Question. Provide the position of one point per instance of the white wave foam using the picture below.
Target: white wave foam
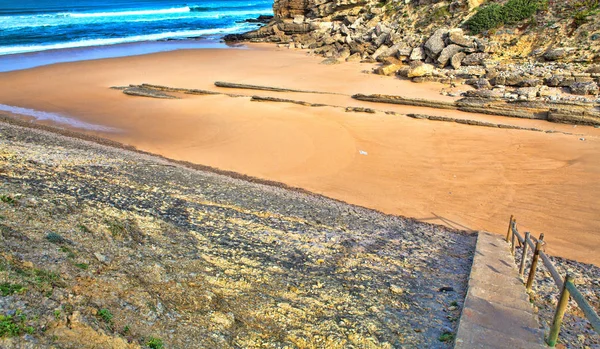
(128, 13)
(37, 21)
(7, 50)
(42, 115)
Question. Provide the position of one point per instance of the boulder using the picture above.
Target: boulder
(418, 69)
(584, 88)
(556, 54)
(435, 44)
(343, 54)
(554, 80)
(356, 57)
(482, 83)
(388, 69)
(456, 36)
(447, 53)
(475, 59)
(381, 50)
(397, 50)
(528, 92)
(417, 54)
(515, 79)
(456, 60)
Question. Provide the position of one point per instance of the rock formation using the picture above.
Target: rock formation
(428, 40)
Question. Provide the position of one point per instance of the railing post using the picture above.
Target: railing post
(561, 308)
(524, 256)
(510, 225)
(512, 243)
(534, 261)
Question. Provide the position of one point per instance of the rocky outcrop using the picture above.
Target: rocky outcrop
(290, 8)
(420, 41)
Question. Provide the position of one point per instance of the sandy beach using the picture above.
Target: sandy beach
(466, 177)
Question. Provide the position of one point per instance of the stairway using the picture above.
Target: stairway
(497, 312)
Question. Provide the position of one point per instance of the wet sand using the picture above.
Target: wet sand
(466, 177)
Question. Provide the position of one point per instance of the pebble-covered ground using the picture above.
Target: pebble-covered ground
(103, 247)
(576, 331)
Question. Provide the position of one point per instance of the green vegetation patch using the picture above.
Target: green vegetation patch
(105, 315)
(495, 15)
(83, 266)
(12, 326)
(55, 238)
(446, 337)
(6, 289)
(7, 199)
(585, 10)
(155, 343)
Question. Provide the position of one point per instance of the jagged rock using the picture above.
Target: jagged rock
(379, 51)
(397, 50)
(514, 79)
(417, 54)
(584, 88)
(380, 39)
(567, 81)
(456, 60)
(554, 80)
(418, 69)
(298, 19)
(528, 92)
(475, 59)
(482, 83)
(381, 28)
(456, 36)
(447, 53)
(348, 20)
(484, 46)
(556, 54)
(435, 44)
(356, 57)
(343, 54)
(345, 30)
(357, 24)
(387, 69)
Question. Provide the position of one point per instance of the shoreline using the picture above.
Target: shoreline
(29, 60)
(410, 163)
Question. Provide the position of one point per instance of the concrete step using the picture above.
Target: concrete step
(497, 312)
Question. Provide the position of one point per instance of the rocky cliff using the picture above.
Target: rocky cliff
(541, 42)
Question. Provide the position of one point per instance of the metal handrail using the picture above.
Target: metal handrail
(567, 287)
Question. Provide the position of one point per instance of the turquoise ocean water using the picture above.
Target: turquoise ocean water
(40, 25)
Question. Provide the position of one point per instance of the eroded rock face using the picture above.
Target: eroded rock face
(289, 8)
(284, 9)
